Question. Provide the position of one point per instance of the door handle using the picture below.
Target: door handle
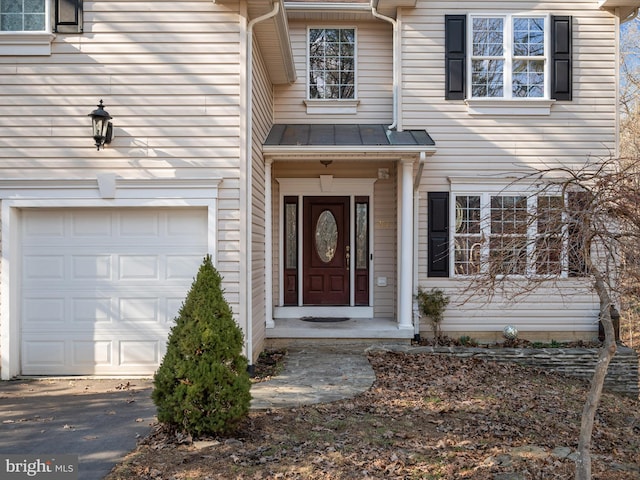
(348, 257)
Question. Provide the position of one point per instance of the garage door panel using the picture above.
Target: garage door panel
(139, 224)
(91, 310)
(184, 226)
(139, 267)
(89, 354)
(182, 267)
(139, 353)
(44, 312)
(43, 267)
(139, 310)
(85, 224)
(43, 355)
(40, 224)
(94, 267)
(101, 287)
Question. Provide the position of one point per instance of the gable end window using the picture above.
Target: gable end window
(508, 57)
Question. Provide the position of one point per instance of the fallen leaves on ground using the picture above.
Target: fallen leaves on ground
(425, 417)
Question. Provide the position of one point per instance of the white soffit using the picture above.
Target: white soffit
(273, 40)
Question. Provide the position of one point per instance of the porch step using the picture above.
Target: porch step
(352, 328)
(336, 345)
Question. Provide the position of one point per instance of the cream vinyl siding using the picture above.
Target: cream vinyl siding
(572, 310)
(471, 145)
(262, 116)
(169, 74)
(475, 146)
(373, 76)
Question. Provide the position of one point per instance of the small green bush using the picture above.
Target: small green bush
(202, 385)
(432, 305)
(467, 341)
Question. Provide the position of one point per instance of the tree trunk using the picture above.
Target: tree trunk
(607, 351)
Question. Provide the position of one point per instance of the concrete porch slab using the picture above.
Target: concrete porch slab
(353, 328)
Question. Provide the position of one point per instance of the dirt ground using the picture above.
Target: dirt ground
(425, 417)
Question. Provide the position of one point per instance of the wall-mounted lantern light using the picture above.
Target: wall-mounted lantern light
(102, 126)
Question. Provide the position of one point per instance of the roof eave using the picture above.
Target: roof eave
(273, 39)
(622, 8)
(390, 7)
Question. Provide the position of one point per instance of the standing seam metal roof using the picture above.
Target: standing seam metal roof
(345, 135)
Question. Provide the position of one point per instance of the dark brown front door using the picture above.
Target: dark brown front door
(326, 251)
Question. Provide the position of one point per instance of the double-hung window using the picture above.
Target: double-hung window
(332, 65)
(331, 71)
(508, 64)
(509, 56)
(509, 234)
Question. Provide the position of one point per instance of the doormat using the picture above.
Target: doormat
(324, 319)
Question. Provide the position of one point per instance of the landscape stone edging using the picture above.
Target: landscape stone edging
(622, 376)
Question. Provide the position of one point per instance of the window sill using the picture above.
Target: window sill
(331, 107)
(25, 43)
(481, 106)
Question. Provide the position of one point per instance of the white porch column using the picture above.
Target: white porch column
(268, 246)
(405, 284)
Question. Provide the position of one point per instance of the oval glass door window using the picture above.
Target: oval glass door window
(326, 236)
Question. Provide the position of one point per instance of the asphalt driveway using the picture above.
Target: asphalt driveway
(98, 420)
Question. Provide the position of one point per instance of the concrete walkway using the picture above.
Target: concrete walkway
(101, 420)
(314, 376)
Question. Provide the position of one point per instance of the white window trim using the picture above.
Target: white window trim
(26, 43)
(494, 106)
(317, 106)
(508, 105)
(463, 188)
(320, 106)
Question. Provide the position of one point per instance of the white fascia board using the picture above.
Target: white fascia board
(618, 3)
(325, 6)
(361, 150)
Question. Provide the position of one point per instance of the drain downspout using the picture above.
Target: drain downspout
(395, 66)
(249, 178)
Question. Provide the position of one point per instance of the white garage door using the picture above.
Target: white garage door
(101, 287)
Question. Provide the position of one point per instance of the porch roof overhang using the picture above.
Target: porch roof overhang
(352, 141)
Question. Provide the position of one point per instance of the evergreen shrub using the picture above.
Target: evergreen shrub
(202, 385)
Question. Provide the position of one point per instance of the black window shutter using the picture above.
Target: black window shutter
(455, 56)
(561, 39)
(67, 16)
(438, 234)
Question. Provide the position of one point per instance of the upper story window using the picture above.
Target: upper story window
(508, 64)
(509, 56)
(23, 15)
(332, 63)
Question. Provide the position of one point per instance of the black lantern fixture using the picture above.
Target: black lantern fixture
(102, 126)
